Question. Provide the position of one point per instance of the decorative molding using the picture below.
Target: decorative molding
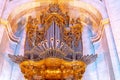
(100, 32)
(105, 21)
(9, 31)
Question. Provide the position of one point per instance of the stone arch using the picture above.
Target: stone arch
(18, 12)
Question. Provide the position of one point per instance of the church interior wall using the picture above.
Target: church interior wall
(107, 64)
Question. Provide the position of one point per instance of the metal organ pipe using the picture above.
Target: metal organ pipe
(46, 43)
(52, 43)
(57, 43)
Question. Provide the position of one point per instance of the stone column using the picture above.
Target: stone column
(88, 48)
(5, 63)
(2, 48)
(19, 50)
(2, 6)
(105, 70)
(114, 66)
(113, 9)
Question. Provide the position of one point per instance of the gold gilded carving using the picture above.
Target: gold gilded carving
(53, 63)
(74, 34)
(104, 21)
(42, 16)
(39, 37)
(59, 70)
(31, 31)
(68, 37)
(34, 35)
(76, 30)
(54, 14)
(67, 19)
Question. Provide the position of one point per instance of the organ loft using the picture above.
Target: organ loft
(53, 47)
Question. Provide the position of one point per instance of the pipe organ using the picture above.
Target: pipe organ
(54, 48)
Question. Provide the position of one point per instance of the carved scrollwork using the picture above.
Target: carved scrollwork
(39, 36)
(76, 30)
(68, 37)
(74, 34)
(55, 8)
(31, 31)
(34, 35)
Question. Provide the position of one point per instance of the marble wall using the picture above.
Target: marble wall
(8, 69)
